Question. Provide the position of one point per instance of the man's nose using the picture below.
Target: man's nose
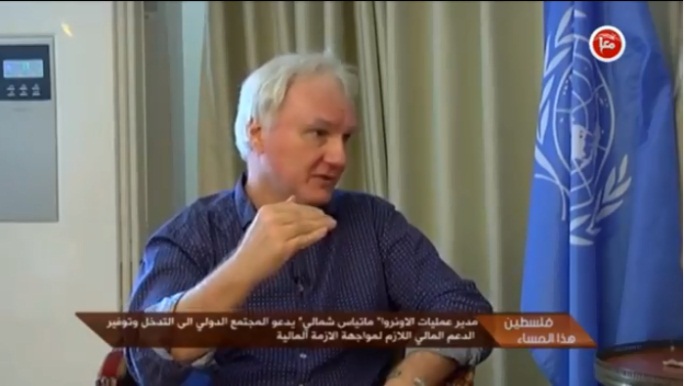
(336, 152)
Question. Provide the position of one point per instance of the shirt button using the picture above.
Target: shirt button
(303, 356)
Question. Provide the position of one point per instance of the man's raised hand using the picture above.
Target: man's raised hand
(279, 231)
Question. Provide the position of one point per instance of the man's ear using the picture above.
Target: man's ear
(254, 133)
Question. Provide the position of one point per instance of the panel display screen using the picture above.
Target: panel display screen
(22, 69)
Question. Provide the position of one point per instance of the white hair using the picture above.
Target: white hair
(262, 93)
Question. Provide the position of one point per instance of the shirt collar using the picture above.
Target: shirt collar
(245, 208)
(247, 212)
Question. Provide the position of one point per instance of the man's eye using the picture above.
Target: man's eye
(320, 132)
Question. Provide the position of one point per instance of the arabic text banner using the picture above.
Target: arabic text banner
(249, 329)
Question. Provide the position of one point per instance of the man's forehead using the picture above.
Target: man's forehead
(321, 88)
(323, 102)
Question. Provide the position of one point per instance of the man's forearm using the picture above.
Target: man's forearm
(223, 290)
(432, 368)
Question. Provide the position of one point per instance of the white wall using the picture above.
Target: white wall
(50, 271)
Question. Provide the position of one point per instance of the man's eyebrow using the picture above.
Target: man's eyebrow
(321, 123)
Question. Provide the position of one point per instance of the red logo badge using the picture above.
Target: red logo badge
(607, 44)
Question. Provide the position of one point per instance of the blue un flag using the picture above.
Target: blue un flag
(604, 233)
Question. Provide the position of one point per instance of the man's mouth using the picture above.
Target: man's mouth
(326, 178)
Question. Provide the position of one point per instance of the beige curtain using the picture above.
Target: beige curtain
(448, 106)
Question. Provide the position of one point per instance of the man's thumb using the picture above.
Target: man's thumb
(291, 199)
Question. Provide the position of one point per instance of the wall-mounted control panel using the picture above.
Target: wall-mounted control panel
(28, 130)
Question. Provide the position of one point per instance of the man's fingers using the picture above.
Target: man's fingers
(303, 227)
(302, 213)
(307, 239)
(294, 213)
(305, 212)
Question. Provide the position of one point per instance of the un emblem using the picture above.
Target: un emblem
(576, 135)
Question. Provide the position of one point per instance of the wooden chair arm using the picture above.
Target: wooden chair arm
(113, 371)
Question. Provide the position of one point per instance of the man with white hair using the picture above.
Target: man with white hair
(285, 239)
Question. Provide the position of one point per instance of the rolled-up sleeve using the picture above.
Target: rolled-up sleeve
(419, 280)
(168, 269)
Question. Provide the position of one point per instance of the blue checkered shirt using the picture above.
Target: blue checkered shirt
(373, 261)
